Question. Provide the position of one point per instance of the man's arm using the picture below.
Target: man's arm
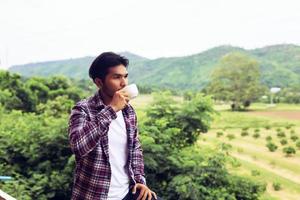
(84, 135)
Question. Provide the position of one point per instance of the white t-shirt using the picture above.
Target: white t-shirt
(118, 152)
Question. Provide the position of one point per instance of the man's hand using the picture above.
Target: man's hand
(119, 100)
(145, 192)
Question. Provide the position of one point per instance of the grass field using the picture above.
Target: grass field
(254, 157)
(252, 152)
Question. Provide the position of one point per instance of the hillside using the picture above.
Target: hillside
(280, 66)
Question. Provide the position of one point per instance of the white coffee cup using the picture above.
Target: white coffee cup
(131, 90)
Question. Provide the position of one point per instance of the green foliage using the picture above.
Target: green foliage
(256, 135)
(276, 186)
(237, 79)
(247, 189)
(292, 131)
(244, 133)
(289, 151)
(294, 137)
(230, 136)
(34, 147)
(35, 151)
(278, 129)
(281, 134)
(225, 147)
(269, 138)
(255, 172)
(245, 128)
(289, 95)
(56, 107)
(298, 144)
(27, 94)
(271, 146)
(288, 126)
(283, 141)
(268, 127)
(219, 134)
(175, 167)
(14, 94)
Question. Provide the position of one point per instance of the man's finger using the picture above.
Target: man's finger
(142, 193)
(146, 193)
(154, 194)
(149, 195)
(123, 92)
(134, 189)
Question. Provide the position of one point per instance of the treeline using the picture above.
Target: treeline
(237, 80)
(34, 147)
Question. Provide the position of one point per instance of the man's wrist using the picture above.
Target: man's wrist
(114, 108)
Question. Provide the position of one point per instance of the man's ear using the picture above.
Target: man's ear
(98, 82)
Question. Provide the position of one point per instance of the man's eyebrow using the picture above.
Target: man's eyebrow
(120, 74)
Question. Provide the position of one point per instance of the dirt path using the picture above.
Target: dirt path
(278, 171)
(282, 194)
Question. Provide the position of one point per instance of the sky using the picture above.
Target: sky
(44, 30)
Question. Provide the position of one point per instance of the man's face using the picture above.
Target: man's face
(116, 79)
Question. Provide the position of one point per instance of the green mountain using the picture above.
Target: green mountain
(75, 68)
(280, 66)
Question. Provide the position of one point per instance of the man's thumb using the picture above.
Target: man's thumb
(134, 189)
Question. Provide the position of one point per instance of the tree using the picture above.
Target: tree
(236, 79)
(176, 168)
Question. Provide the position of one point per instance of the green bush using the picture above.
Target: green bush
(219, 134)
(271, 146)
(281, 134)
(269, 138)
(298, 144)
(256, 135)
(276, 186)
(288, 126)
(178, 170)
(289, 151)
(278, 129)
(244, 133)
(230, 136)
(283, 141)
(268, 127)
(225, 147)
(294, 138)
(292, 131)
(39, 157)
(245, 128)
(255, 172)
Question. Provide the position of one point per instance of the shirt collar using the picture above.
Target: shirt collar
(98, 99)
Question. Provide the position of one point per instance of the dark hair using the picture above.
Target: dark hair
(100, 65)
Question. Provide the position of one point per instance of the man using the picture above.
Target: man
(104, 138)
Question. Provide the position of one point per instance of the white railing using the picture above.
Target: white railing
(3, 195)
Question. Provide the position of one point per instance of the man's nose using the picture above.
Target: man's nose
(123, 82)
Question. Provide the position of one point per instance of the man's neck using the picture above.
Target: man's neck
(105, 98)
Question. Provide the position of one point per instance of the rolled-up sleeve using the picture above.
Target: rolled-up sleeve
(137, 159)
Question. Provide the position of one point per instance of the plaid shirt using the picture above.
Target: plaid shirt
(88, 128)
